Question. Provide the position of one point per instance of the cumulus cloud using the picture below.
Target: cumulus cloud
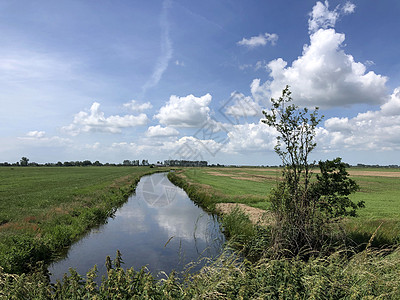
(260, 92)
(253, 137)
(372, 130)
(259, 40)
(158, 131)
(240, 107)
(138, 107)
(95, 121)
(326, 76)
(192, 148)
(189, 111)
(323, 18)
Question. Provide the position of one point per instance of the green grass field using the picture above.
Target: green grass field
(379, 189)
(44, 209)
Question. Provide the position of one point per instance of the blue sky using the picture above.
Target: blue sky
(156, 80)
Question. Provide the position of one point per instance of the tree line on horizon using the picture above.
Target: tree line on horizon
(24, 162)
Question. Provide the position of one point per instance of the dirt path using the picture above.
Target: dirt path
(256, 215)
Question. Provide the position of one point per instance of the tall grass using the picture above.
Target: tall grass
(367, 275)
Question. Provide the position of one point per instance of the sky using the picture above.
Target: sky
(181, 79)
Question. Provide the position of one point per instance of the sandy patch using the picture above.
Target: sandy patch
(374, 173)
(351, 172)
(244, 176)
(250, 178)
(256, 215)
(219, 174)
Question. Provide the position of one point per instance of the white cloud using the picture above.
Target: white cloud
(95, 121)
(260, 40)
(39, 138)
(260, 92)
(373, 130)
(323, 18)
(158, 131)
(326, 76)
(189, 111)
(240, 106)
(36, 134)
(191, 148)
(134, 106)
(245, 138)
(179, 63)
(186, 148)
(348, 8)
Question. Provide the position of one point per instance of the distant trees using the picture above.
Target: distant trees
(304, 209)
(127, 162)
(24, 161)
(144, 162)
(185, 163)
(136, 163)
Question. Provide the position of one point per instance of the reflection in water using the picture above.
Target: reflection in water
(159, 227)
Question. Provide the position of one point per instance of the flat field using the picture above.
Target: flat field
(43, 209)
(379, 189)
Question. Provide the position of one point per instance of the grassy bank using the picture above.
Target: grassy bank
(367, 275)
(379, 188)
(43, 210)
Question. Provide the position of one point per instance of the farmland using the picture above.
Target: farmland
(379, 189)
(43, 209)
(46, 209)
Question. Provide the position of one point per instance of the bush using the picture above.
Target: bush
(305, 210)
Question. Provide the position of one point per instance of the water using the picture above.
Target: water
(159, 227)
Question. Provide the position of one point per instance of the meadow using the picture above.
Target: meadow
(39, 215)
(45, 209)
(379, 189)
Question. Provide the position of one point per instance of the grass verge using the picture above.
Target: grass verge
(44, 210)
(367, 275)
(379, 189)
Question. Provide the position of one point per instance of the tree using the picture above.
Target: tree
(97, 163)
(24, 161)
(86, 163)
(304, 209)
(127, 162)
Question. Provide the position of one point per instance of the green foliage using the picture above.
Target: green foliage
(238, 229)
(45, 210)
(367, 275)
(24, 161)
(304, 209)
(296, 139)
(207, 190)
(332, 188)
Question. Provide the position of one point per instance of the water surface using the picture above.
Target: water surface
(159, 227)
